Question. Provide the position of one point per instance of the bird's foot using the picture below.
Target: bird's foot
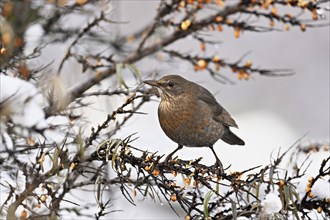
(218, 168)
(168, 158)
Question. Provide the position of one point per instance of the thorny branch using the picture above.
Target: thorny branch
(80, 162)
(202, 178)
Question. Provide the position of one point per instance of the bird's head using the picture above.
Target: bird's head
(170, 86)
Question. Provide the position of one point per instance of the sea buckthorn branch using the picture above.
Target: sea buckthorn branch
(157, 173)
(243, 71)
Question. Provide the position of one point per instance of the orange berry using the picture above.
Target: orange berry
(62, 3)
(310, 194)
(174, 173)
(185, 24)
(6, 38)
(155, 172)
(43, 198)
(236, 32)
(248, 64)
(314, 15)
(240, 76)
(274, 10)
(7, 9)
(3, 51)
(288, 15)
(24, 214)
(216, 59)
(303, 27)
(173, 197)
(202, 64)
(265, 5)
(182, 4)
(218, 18)
(219, 3)
(187, 181)
(130, 38)
(81, 2)
(228, 21)
(281, 183)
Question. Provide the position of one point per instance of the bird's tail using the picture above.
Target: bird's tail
(231, 138)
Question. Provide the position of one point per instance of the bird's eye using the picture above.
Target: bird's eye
(170, 84)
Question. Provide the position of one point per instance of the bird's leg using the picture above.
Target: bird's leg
(218, 163)
(171, 154)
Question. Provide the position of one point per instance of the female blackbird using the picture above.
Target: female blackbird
(191, 116)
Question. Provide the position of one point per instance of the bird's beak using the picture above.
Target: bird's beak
(152, 82)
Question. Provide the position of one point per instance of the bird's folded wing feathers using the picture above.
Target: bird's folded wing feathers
(226, 119)
(220, 114)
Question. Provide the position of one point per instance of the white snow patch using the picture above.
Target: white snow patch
(23, 102)
(271, 203)
(242, 218)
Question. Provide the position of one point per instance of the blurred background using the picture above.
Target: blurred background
(272, 112)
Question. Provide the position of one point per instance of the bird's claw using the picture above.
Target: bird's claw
(168, 158)
(218, 168)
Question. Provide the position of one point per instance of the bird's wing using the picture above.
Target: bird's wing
(226, 119)
(220, 114)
